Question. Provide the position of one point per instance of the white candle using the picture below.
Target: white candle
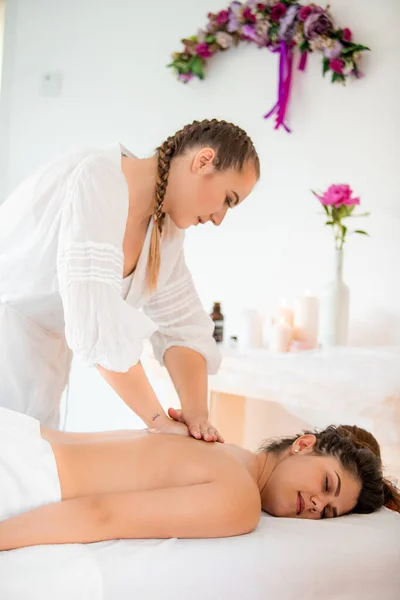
(250, 329)
(281, 336)
(285, 312)
(306, 316)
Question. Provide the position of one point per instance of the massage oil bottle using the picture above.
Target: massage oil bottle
(218, 319)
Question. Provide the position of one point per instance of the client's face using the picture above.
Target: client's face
(307, 486)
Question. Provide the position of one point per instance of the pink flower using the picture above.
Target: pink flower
(347, 35)
(186, 77)
(223, 17)
(262, 7)
(203, 50)
(278, 11)
(248, 15)
(304, 12)
(336, 65)
(337, 195)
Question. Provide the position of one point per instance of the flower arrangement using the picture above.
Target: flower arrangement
(281, 26)
(339, 204)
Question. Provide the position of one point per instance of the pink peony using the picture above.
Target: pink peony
(278, 11)
(347, 35)
(338, 195)
(223, 17)
(304, 12)
(203, 50)
(248, 15)
(336, 65)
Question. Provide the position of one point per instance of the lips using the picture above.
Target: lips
(300, 504)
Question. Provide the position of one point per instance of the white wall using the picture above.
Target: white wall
(112, 56)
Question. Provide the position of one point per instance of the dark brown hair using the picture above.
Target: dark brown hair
(233, 149)
(359, 453)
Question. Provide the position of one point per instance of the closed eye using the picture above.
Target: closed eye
(228, 202)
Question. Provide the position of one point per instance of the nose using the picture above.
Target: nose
(218, 217)
(317, 504)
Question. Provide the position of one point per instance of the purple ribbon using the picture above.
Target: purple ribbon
(303, 61)
(285, 79)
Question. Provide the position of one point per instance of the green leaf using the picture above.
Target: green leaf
(210, 39)
(182, 66)
(361, 232)
(197, 65)
(354, 48)
(326, 210)
(304, 46)
(330, 223)
(337, 77)
(325, 66)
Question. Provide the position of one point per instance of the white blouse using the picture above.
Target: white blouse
(61, 266)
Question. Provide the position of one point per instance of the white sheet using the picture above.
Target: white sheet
(337, 559)
(50, 573)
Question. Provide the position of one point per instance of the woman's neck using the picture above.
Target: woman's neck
(264, 464)
(140, 174)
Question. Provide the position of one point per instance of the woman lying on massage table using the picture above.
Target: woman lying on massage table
(134, 484)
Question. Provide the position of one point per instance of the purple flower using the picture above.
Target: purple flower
(223, 17)
(304, 12)
(278, 11)
(334, 51)
(185, 77)
(288, 24)
(249, 33)
(203, 50)
(318, 23)
(235, 7)
(233, 23)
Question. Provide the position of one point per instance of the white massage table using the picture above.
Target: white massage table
(351, 558)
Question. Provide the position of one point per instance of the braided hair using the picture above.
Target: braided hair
(359, 453)
(233, 149)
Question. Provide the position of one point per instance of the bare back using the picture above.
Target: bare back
(125, 461)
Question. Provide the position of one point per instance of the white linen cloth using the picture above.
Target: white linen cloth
(62, 287)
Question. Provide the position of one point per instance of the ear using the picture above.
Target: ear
(203, 162)
(304, 444)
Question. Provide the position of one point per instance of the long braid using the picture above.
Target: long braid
(236, 147)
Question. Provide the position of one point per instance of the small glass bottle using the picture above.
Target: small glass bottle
(218, 319)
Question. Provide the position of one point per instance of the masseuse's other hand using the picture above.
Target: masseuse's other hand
(199, 427)
(167, 425)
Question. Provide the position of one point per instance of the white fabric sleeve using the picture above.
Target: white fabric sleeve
(181, 319)
(100, 327)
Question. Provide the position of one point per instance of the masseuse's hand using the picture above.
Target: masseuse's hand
(199, 427)
(167, 425)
